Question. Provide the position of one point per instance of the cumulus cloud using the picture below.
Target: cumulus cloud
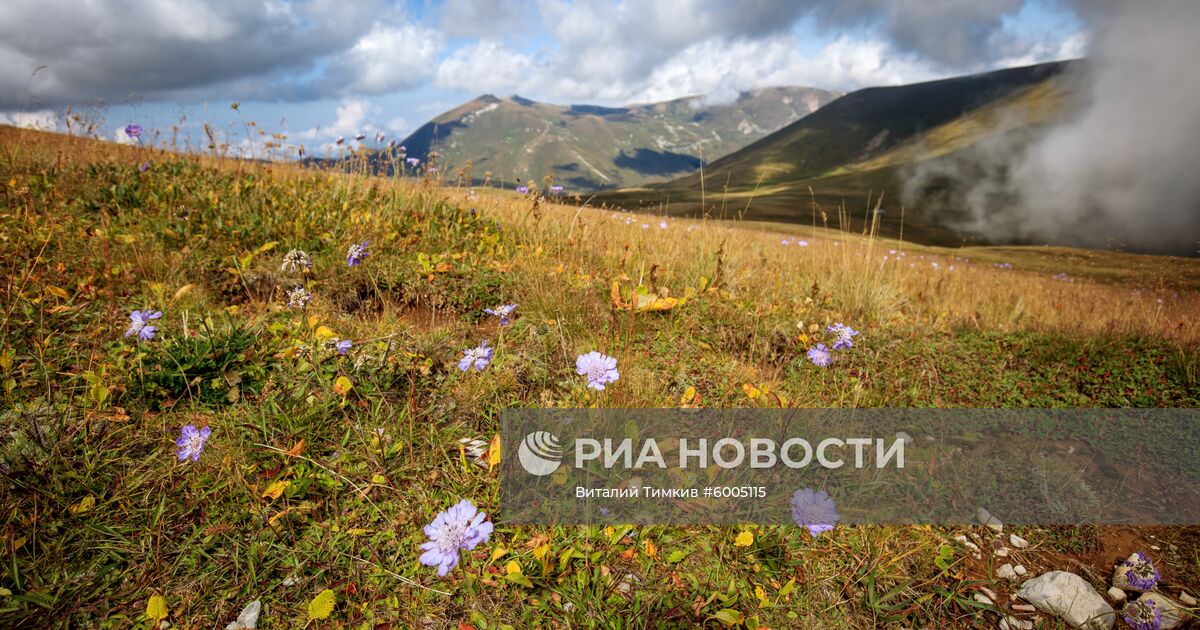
(386, 59)
(44, 120)
(486, 66)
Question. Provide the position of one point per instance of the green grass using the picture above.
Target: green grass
(98, 516)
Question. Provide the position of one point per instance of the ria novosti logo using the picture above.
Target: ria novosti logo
(540, 453)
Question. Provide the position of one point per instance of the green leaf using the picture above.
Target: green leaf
(676, 556)
(729, 617)
(321, 606)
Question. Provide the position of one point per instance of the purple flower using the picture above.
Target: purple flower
(524, 190)
(814, 510)
(133, 131)
(1144, 614)
(1142, 574)
(295, 259)
(379, 136)
(343, 346)
(503, 312)
(844, 336)
(819, 355)
(479, 357)
(191, 442)
(298, 297)
(662, 225)
(356, 253)
(556, 189)
(802, 243)
(145, 166)
(139, 324)
(785, 242)
(412, 161)
(460, 527)
(600, 369)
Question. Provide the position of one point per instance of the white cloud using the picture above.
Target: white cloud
(485, 66)
(45, 119)
(387, 59)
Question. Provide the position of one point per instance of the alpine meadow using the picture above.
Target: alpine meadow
(277, 277)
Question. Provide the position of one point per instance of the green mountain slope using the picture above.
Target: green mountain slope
(587, 147)
(859, 146)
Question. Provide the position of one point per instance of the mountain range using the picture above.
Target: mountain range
(589, 147)
(865, 144)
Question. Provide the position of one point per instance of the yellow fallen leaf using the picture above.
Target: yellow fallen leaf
(323, 332)
(57, 292)
(751, 391)
(321, 606)
(494, 452)
(498, 553)
(156, 608)
(744, 539)
(512, 567)
(342, 386)
(274, 490)
(85, 505)
(651, 550)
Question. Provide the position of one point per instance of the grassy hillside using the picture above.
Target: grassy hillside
(585, 147)
(855, 149)
(322, 468)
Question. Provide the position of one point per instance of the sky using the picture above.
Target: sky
(319, 69)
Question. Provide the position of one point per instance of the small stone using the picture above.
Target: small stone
(568, 607)
(164, 625)
(1020, 569)
(1186, 599)
(1024, 608)
(986, 519)
(248, 620)
(904, 437)
(291, 581)
(1002, 552)
(1017, 542)
(989, 592)
(984, 599)
(1155, 547)
(1116, 595)
(1005, 572)
(1012, 623)
(1070, 597)
(1172, 616)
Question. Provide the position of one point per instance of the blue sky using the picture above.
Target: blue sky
(319, 69)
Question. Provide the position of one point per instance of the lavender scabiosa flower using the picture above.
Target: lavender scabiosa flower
(802, 243)
(1143, 614)
(814, 510)
(295, 260)
(503, 312)
(478, 357)
(460, 527)
(844, 334)
(343, 346)
(133, 131)
(556, 189)
(191, 442)
(145, 166)
(356, 253)
(1142, 574)
(298, 297)
(662, 225)
(600, 369)
(524, 190)
(412, 161)
(139, 324)
(820, 355)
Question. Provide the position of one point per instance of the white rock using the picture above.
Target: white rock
(1020, 569)
(1116, 595)
(291, 581)
(1172, 616)
(248, 620)
(1024, 608)
(1005, 572)
(1070, 597)
(1012, 623)
(991, 522)
(1017, 542)
(989, 592)
(1002, 552)
(983, 599)
(904, 437)
(1186, 599)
